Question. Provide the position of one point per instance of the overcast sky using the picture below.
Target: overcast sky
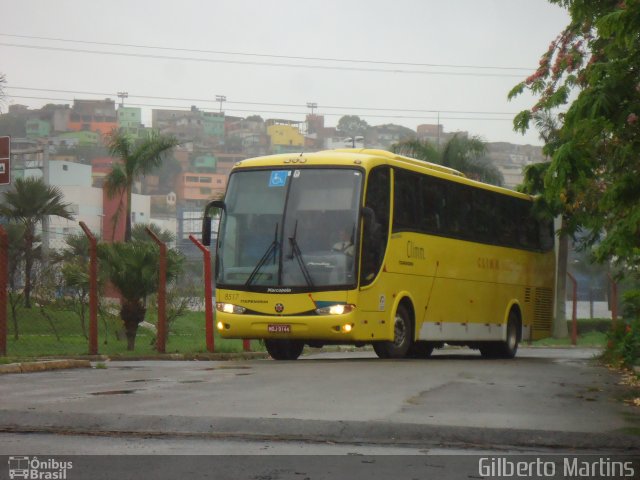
(388, 61)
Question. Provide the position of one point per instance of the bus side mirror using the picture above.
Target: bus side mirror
(206, 220)
(206, 231)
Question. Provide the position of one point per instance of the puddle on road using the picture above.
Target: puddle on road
(190, 381)
(143, 380)
(115, 392)
(227, 367)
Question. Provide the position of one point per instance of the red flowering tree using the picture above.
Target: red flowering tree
(590, 74)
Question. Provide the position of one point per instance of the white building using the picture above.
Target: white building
(74, 181)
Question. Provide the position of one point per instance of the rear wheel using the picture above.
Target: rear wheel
(402, 336)
(284, 349)
(420, 350)
(508, 347)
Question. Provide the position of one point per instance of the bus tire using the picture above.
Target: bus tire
(509, 346)
(284, 349)
(420, 350)
(402, 336)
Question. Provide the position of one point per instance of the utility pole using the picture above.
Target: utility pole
(312, 106)
(122, 96)
(221, 98)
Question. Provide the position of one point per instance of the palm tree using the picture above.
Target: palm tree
(132, 268)
(468, 155)
(136, 159)
(139, 233)
(29, 203)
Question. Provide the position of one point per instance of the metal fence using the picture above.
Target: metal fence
(64, 306)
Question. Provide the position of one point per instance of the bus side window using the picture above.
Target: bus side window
(376, 226)
(406, 207)
(433, 205)
(459, 215)
(483, 215)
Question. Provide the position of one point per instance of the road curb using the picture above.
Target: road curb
(43, 366)
(320, 431)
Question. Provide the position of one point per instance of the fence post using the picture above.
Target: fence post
(93, 290)
(161, 338)
(574, 313)
(614, 301)
(208, 294)
(4, 274)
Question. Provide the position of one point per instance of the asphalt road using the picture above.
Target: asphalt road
(337, 404)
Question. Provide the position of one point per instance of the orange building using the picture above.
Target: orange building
(93, 116)
(199, 187)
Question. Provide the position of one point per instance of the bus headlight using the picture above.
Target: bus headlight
(230, 308)
(337, 309)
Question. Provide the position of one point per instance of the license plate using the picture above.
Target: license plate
(279, 328)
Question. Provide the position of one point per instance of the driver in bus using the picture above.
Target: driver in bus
(345, 243)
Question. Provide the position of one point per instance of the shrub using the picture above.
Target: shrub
(623, 344)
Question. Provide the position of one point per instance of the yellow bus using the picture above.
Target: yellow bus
(369, 247)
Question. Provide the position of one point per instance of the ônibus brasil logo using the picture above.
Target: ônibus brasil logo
(33, 468)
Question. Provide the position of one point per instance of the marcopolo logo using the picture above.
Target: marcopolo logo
(38, 469)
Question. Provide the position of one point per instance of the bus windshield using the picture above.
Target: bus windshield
(290, 228)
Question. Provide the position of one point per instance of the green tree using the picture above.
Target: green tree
(28, 204)
(132, 268)
(15, 232)
(351, 126)
(136, 159)
(591, 71)
(74, 261)
(467, 155)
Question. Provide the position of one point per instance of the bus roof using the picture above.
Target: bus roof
(364, 156)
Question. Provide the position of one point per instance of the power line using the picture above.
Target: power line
(269, 64)
(209, 100)
(250, 54)
(280, 112)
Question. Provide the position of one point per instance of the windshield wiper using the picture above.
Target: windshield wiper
(271, 249)
(295, 252)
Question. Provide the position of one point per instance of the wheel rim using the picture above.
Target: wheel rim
(512, 335)
(400, 331)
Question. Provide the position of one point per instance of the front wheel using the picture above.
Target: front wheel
(420, 350)
(284, 349)
(402, 337)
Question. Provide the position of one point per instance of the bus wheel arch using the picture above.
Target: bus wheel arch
(403, 331)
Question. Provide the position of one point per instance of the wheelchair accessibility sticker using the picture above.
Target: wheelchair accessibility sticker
(279, 178)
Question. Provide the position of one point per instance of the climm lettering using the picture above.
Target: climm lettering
(414, 251)
(488, 263)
